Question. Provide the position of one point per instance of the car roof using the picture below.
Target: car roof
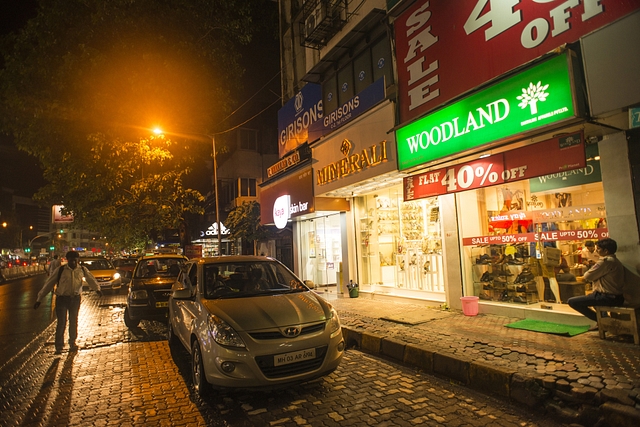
(160, 256)
(233, 258)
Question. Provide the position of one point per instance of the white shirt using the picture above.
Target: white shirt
(587, 255)
(70, 282)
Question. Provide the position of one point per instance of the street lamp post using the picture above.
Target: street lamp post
(215, 189)
(215, 178)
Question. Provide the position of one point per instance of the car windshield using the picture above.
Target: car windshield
(240, 279)
(125, 262)
(158, 267)
(97, 264)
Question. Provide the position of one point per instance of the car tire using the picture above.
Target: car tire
(200, 383)
(131, 323)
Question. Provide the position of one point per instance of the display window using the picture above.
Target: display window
(321, 249)
(399, 243)
(526, 242)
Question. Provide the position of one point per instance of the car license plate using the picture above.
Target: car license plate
(162, 304)
(293, 357)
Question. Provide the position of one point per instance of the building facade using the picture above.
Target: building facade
(478, 149)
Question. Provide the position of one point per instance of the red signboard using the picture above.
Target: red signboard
(544, 158)
(547, 236)
(446, 48)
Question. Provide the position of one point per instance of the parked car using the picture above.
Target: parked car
(248, 322)
(104, 272)
(150, 287)
(125, 267)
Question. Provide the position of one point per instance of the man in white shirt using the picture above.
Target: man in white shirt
(588, 255)
(69, 279)
(607, 278)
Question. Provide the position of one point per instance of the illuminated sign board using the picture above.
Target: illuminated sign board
(295, 117)
(535, 98)
(554, 156)
(58, 216)
(445, 49)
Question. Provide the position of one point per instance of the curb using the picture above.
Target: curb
(584, 406)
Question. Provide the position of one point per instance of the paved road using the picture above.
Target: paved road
(122, 377)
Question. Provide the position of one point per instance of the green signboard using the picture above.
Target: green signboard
(529, 100)
(586, 175)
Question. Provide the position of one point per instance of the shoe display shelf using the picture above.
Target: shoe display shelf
(503, 278)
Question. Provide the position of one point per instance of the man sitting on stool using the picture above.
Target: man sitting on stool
(607, 277)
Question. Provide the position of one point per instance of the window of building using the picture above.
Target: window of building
(248, 139)
(370, 64)
(247, 187)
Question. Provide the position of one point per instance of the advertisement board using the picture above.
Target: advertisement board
(557, 155)
(295, 117)
(446, 50)
(287, 198)
(534, 98)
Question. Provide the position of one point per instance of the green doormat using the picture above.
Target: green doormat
(548, 327)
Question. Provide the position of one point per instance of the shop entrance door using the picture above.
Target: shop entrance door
(321, 249)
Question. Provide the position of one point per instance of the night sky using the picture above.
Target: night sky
(18, 171)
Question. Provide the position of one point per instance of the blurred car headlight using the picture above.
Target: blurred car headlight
(223, 333)
(116, 276)
(334, 322)
(141, 294)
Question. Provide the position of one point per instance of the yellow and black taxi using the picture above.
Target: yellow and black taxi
(105, 273)
(150, 288)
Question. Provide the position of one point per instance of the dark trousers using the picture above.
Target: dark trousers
(64, 305)
(583, 304)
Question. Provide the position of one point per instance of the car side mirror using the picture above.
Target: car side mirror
(182, 294)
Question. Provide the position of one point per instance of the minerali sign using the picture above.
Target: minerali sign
(352, 162)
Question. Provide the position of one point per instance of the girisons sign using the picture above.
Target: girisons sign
(532, 99)
(295, 117)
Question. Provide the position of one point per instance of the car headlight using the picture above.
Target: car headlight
(116, 276)
(334, 322)
(223, 333)
(141, 294)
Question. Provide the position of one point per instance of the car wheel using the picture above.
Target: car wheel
(131, 323)
(197, 370)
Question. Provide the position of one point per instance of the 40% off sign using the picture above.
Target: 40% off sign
(472, 175)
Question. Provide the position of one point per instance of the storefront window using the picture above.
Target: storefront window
(321, 249)
(399, 243)
(523, 242)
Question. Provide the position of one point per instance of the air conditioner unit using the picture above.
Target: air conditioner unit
(315, 18)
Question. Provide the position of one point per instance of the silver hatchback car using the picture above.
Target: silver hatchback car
(249, 322)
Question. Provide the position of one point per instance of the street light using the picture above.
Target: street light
(158, 131)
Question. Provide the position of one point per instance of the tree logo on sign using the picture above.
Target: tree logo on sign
(531, 95)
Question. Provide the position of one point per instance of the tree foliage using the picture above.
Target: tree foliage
(243, 223)
(84, 81)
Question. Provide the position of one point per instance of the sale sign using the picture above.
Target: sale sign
(446, 49)
(547, 236)
(547, 157)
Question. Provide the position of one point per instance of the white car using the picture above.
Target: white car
(248, 322)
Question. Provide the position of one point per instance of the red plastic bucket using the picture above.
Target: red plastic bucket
(469, 305)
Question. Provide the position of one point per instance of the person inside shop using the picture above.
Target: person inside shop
(588, 254)
(607, 278)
